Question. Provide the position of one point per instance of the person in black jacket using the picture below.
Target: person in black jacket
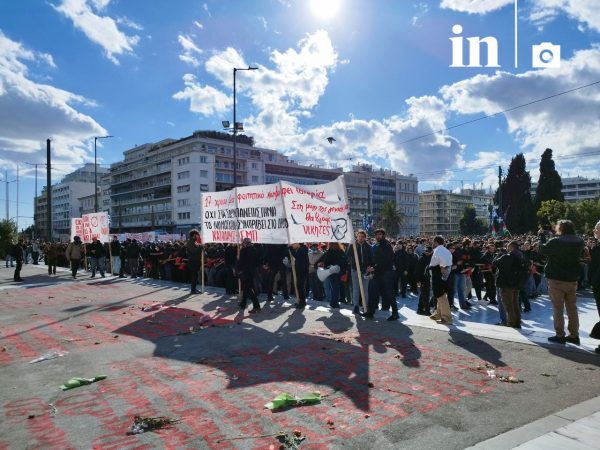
(401, 266)
(194, 251)
(274, 256)
(594, 275)
(247, 267)
(509, 283)
(487, 269)
(18, 253)
(424, 281)
(334, 256)
(383, 270)
(365, 259)
(300, 253)
(562, 271)
(97, 257)
(117, 264)
(133, 257)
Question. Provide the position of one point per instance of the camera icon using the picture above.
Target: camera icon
(545, 54)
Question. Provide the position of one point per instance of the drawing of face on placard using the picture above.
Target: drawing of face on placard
(339, 228)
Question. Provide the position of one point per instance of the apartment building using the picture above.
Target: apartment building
(441, 210)
(577, 188)
(65, 201)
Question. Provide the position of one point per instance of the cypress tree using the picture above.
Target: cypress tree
(550, 184)
(517, 205)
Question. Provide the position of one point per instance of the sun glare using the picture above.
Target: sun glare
(325, 9)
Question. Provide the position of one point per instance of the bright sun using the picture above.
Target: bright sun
(325, 9)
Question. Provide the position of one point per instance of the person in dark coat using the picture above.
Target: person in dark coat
(133, 257)
(562, 271)
(594, 274)
(247, 267)
(18, 253)
(365, 259)
(117, 264)
(334, 256)
(424, 281)
(383, 271)
(508, 281)
(194, 251)
(274, 256)
(97, 256)
(300, 254)
(401, 266)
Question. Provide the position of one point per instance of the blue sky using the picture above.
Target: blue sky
(375, 74)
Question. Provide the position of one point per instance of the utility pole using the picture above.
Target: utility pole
(17, 197)
(48, 193)
(500, 190)
(6, 180)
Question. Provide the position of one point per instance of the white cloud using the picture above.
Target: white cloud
(198, 24)
(129, 23)
(205, 7)
(421, 10)
(585, 11)
(568, 124)
(475, 6)
(102, 30)
(289, 90)
(204, 100)
(263, 21)
(31, 112)
(190, 50)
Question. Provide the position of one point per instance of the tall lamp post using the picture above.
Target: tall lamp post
(236, 126)
(96, 171)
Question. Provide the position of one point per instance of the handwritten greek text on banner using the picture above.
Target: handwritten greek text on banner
(278, 213)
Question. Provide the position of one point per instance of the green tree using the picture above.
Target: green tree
(551, 211)
(588, 214)
(390, 218)
(550, 184)
(8, 236)
(470, 224)
(517, 205)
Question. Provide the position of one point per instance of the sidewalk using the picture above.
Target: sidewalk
(577, 427)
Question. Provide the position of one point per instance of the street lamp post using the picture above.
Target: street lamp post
(96, 171)
(235, 125)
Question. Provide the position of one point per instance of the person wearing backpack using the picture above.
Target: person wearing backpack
(562, 270)
(512, 275)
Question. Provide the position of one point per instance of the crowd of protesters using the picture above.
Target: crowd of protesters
(442, 274)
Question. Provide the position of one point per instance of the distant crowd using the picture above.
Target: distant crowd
(444, 274)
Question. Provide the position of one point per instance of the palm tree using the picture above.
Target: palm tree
(391, 218)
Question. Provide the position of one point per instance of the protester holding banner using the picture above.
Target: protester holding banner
(247, 267)
(115, 251)
(194, 255)
(383, 281)
(300, 253)
(274, 256)
(133, 257)
(365, 259)
(97, 256)
(74, 254)
(316, 287)
(333, 260)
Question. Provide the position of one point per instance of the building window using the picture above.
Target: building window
(204, 187)
(183, 175)
(255, 165)
(204, 174)
(254, 179)
(184, 188)
(183, 202)
(203, 159)
(183, 161)
(183, 215)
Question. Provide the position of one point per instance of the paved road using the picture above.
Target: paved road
(409, 384)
